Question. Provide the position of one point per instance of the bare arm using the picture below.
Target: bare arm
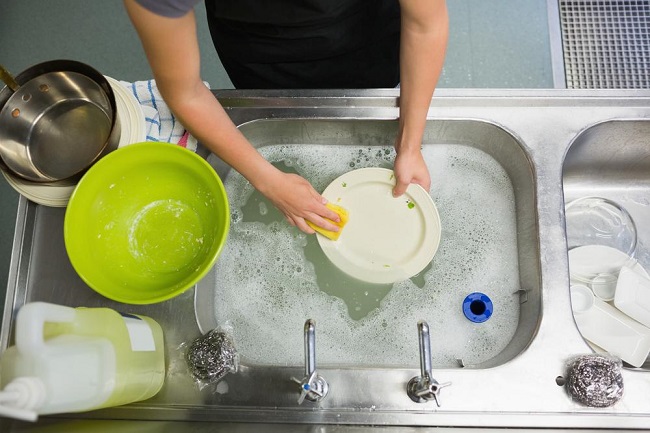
(172, 49)
(423, 42)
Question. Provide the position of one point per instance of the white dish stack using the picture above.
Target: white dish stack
(610, 290)
(609, 328)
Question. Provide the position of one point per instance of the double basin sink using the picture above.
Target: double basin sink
(503, 164)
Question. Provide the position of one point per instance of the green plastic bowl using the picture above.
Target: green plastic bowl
(146, 222)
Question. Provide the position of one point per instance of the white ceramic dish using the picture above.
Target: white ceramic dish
(122, 111)
(618, 334)
(131, 114)
(604, 286)
(589, 261)
(47, 195)
(387, 239)
(633, 295)
(582, 298)
(597, 266)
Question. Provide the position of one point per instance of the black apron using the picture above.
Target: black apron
(307, 44)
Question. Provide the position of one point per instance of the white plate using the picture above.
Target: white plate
(47, 195)
(122, 112)
(130, 113)
(387, 239)
(592, 260)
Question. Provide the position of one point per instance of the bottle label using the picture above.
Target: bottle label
(140, 333)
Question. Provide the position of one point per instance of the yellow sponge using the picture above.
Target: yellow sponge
(343, 214)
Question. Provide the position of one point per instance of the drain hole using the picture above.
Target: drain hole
(477, 307)
(560, 381)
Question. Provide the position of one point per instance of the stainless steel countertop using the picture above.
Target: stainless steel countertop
(520, 393)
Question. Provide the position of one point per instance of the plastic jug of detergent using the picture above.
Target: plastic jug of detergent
(79, 359)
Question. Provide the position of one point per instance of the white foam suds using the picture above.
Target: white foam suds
(266, 288)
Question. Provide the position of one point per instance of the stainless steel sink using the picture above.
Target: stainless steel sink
(611, 159)
(484, 186)
(550, 146)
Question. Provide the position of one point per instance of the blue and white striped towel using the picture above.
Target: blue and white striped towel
(161, 125)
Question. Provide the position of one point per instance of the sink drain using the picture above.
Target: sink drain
(477, 307)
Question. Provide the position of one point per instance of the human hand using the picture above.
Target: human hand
(298, 201)
(409, 168)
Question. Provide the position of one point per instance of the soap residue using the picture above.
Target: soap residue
(171, 249)
(270, 278)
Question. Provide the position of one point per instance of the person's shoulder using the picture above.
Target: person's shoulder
(169, 8)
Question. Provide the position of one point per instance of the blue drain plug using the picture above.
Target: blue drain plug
(477, 307)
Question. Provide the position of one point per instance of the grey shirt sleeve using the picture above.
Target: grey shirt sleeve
(169, 8)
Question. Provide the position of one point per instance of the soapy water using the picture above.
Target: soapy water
(271, 277)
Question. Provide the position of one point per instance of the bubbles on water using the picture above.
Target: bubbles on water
(235, 216)
(266, 287)
(263, 208)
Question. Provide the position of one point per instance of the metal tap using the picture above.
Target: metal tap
(424, 388)
(313, 387)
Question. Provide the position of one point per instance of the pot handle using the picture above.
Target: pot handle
(8, 79)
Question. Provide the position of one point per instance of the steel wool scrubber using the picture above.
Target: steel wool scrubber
(211, 357)
(595, 380)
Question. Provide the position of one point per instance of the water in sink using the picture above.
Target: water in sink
(271, 277)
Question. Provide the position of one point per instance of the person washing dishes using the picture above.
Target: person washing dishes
(289, 44)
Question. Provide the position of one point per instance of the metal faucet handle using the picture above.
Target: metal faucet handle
(313, 386)
(424, 388)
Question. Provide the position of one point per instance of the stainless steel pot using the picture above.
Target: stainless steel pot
(56, 121)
